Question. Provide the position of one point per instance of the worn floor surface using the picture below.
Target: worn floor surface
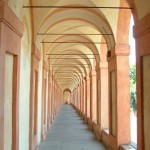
(69, 132)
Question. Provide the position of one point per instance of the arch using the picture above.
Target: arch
(66, 89)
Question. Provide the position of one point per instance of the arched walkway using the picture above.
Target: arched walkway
(54, 51)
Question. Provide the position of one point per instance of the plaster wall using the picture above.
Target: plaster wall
(16, 6)
(25, 67)
(24, 93)
(143, 8)
(8, 102)
(24, 98)
(39, 101)
(146, 90)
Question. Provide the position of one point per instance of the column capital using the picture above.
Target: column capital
(36, 52)
(45, 65)
(53, 77)
(122, 49)
(93, 73)
(50, 72)
(87, 78)
(102, 64)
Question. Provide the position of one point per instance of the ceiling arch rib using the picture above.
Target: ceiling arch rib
(63, 81)
(71, 52)
(67, 42)
(70, 69)
(109, 41)
(82, 70)
(90, 34)
(58, 59)
(89, 18)
(73, 74)
(73, 69)
(73, 60)
(74, 78)
(70, 78)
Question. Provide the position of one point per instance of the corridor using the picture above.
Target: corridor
(75, 52)
(69, 132)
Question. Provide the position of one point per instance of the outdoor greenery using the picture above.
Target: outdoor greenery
(133, 102)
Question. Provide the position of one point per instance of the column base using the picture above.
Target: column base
(34, 143)
(43, 133)
(105, 137)
(36, 148)
(85, 118)
(97, 130)
(90, 123)
(127, 147)
(49, 123)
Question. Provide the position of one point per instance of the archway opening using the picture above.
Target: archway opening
(133, 100)
(67, 94)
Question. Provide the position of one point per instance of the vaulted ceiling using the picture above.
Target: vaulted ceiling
(71, 37)
(71, 33)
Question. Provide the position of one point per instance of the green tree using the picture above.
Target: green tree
(133, 102)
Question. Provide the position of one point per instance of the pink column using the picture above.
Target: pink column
(78, 97)
(49, 100)
(94, 97)
(53, 97)
(102, 106)
(119, 97)
(83, 96)
(88, 97)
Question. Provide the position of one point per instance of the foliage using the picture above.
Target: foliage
(133, 102)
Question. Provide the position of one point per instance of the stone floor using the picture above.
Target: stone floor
(69, 132)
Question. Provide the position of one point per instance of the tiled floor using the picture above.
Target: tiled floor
(69, 132)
